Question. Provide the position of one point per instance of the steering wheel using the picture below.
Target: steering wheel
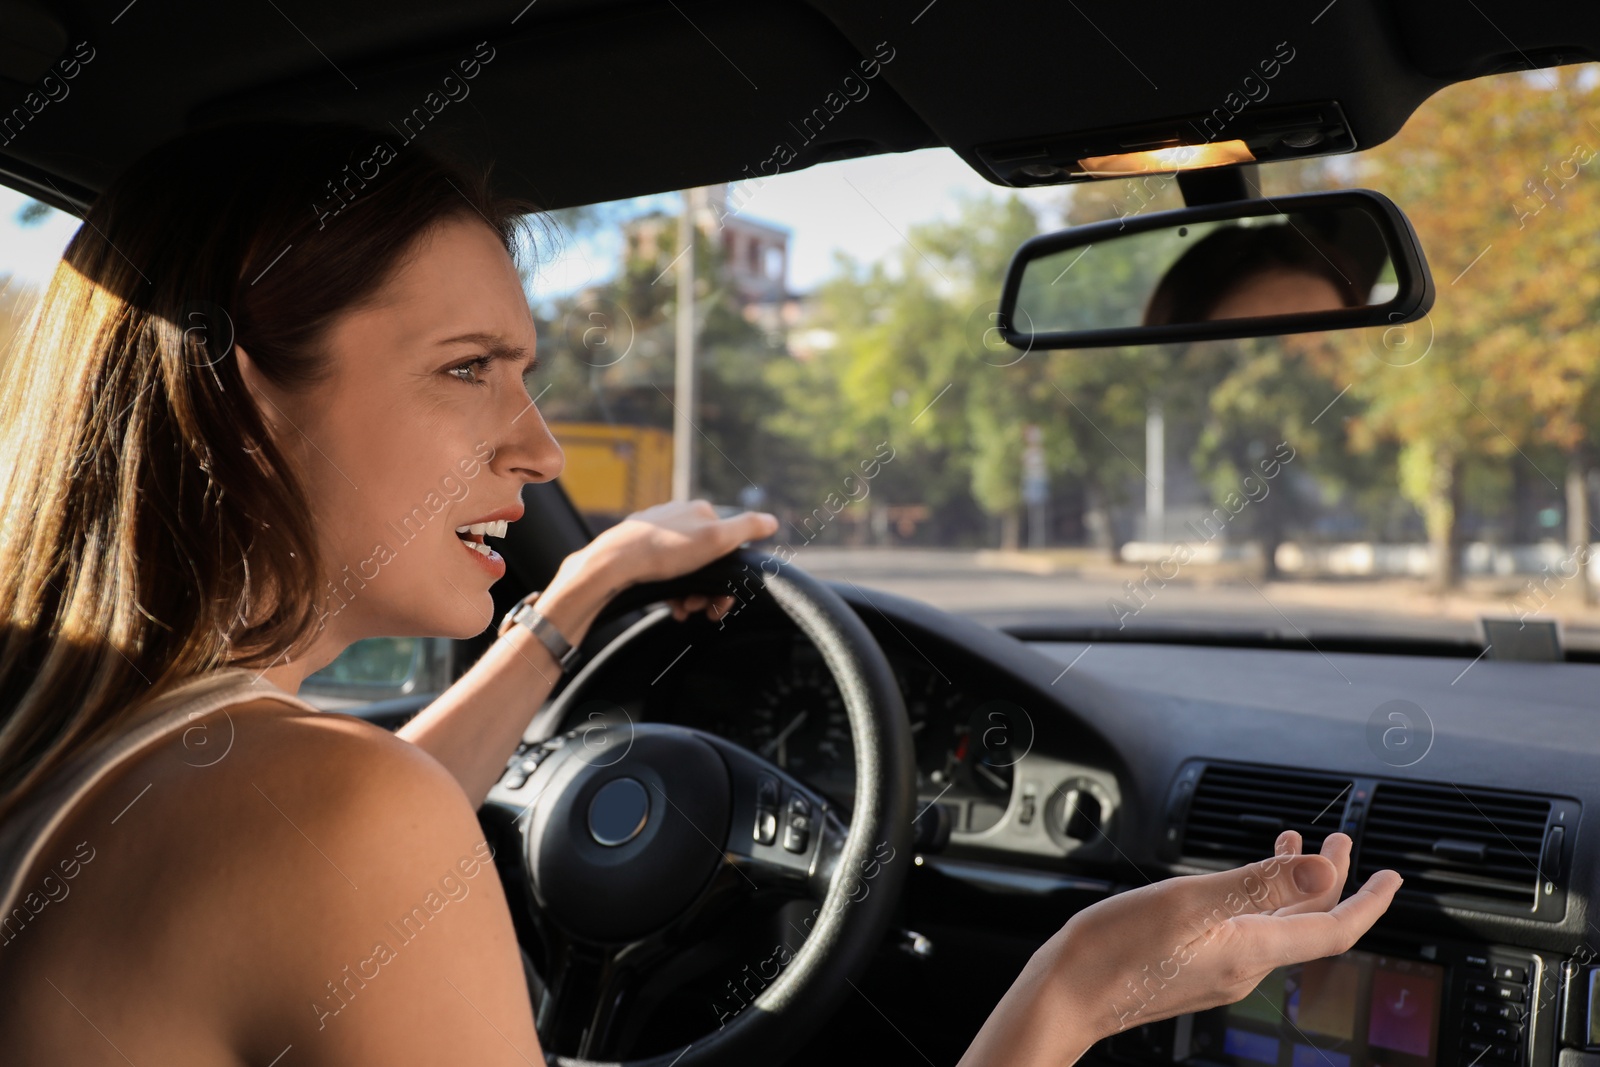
(636, 843)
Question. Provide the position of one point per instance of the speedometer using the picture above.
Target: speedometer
(798, 722)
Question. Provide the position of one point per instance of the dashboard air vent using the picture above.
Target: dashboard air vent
(1238, 812)
(1461, 847)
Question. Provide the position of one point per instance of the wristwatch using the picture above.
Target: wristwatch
(525, 614)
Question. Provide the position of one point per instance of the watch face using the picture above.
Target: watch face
(516, 609)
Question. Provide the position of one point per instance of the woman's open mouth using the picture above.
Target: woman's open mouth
(472, 536)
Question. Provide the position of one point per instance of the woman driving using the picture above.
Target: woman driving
(268, 405)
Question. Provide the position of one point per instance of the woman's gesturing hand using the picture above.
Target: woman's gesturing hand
(1178, 946)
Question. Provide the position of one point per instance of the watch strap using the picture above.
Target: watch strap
(547, 633)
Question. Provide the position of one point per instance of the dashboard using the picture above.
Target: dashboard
(1072, 771)
(987, 752)
(776, 697)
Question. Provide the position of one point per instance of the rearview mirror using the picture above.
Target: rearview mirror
(1294, 264)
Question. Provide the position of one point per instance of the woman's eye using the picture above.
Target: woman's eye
(471, 370)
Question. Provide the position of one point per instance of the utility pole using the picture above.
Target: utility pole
(1035, 483)
(1155, 473)
(685, 391)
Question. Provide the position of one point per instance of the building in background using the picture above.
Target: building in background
(755, 258)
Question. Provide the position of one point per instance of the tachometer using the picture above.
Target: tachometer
(965, 747)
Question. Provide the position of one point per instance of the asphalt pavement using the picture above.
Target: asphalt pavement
(1003, 589)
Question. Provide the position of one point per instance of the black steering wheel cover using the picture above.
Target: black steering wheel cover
(846, 932)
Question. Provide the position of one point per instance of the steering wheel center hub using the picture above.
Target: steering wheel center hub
(623, 838)
(618, 811)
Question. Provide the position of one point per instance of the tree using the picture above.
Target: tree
(610, 349)
(1491, 173)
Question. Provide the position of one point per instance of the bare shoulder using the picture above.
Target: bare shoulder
(343, 868)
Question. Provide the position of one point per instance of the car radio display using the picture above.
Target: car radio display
(1353, 1010)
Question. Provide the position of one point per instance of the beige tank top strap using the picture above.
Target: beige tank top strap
(31, 825)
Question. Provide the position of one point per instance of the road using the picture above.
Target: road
(996, 589)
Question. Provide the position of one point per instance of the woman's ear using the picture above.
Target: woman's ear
(266, 397)
(248, 370)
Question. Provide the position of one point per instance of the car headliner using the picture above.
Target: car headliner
(593, 100)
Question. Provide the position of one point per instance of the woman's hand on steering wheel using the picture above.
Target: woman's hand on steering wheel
(676, 538)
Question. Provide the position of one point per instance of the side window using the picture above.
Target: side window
(381, 668)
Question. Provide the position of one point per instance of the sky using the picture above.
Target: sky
(29, 253)
(863, 207)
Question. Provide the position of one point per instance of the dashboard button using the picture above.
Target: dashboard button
(1026, 813)
(1512, 993)
(766, 827)
(1505, 972)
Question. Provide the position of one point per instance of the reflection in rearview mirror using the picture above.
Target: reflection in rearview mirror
(1232, 270)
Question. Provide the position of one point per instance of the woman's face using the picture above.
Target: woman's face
(423, 425)
(1278, 292)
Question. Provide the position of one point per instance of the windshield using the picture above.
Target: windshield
(848, 376)
(1387, 482)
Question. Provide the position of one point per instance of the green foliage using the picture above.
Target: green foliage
(1395, 430)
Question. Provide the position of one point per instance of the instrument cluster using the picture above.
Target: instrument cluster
(780, 701)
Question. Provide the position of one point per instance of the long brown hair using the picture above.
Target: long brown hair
(149, 528)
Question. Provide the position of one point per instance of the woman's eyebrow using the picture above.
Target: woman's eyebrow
(497, 347)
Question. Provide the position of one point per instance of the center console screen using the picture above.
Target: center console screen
(1353, 1010)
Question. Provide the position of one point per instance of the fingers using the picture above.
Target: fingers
(1283, 939)
(1335, 849)
(678, 537)
(1286, 879)
(714, 607)
(750, 526)
(684, 606)
(1290, 883)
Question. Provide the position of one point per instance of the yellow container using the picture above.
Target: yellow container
(613, 470)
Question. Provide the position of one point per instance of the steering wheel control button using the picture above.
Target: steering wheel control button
(799, 805)
(522, 764)
(797, 834)
(618, 812)
(767, 810)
